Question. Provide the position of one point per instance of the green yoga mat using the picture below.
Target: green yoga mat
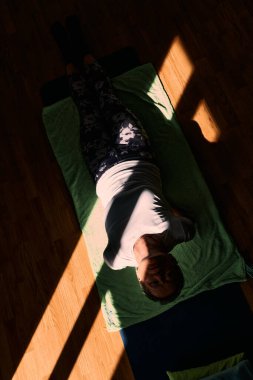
(210, 260)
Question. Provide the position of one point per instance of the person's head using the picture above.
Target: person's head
(160, 277)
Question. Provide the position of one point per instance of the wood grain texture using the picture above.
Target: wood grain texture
(50, 321)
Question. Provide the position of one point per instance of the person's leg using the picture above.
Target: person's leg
(94, 139)
(128, 135)
(78, 43)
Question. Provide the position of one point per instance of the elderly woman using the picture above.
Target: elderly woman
(141, 227)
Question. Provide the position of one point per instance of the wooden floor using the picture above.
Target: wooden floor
(51, 325)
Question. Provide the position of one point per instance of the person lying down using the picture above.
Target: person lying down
(141, 226)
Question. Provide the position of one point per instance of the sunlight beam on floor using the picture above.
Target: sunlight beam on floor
(206, 122)
(59, 318)
(176, 70)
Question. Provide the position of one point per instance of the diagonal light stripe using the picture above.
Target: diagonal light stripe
(176, 70)
(58, 319)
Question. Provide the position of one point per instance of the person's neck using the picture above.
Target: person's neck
(140, 249)
(145, 246)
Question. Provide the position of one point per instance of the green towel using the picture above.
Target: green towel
(208, 261)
